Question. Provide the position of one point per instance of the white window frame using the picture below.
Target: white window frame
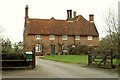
(37, 37)
(90, 37)
(38, 48)
(64, 48)
(64, 37)
(52, 37)
(77, 37)
(90, 45)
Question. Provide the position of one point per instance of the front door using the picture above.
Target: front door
(52, 50)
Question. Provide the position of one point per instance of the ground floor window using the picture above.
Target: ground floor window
(64, 48)
(38, 48)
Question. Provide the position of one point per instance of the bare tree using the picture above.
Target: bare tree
(112, 40)
(111, 21)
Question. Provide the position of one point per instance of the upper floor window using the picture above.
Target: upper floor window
(38, 36)
(89, 37)
(64, 37)
(52, 37)
(77, 37)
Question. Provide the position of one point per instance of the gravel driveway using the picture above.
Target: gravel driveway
(52, 69)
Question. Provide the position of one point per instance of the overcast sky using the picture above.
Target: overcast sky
(12, 13)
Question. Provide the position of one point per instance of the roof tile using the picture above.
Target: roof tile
(77, 26)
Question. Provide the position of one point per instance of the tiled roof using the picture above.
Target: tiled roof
(76, 26)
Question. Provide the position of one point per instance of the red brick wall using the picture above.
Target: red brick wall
(31, 42)
(84, 41)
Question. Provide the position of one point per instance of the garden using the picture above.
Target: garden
(80, 55)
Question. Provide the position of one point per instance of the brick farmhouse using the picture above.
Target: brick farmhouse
(55, 36)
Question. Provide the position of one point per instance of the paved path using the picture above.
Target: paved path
(52, 69)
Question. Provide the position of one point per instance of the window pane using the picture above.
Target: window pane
(38, 48)
(52, 37)
(64, 48)
(77, 37)
(89, 37)
(64, 37)
(38, 36)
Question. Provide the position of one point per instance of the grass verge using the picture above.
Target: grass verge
(77, 59)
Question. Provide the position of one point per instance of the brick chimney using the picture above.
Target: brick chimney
(26, 16)
(26, 11)
(91, 18)
(69, 14)
(74, 14)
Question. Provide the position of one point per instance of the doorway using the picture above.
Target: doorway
(52, 49)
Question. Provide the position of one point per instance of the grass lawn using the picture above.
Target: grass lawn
(77, 59)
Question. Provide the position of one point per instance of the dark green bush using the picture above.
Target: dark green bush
(80, 49)
(13, 56)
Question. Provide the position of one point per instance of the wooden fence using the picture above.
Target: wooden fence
(17, 61)
(102, 59)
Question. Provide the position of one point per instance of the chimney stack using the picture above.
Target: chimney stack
(91, 18)
(69, 14)
(26, 11)
(74, 14)
(26, 16)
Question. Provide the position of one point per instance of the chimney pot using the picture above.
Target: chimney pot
(74, 13)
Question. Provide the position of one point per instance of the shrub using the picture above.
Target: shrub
(13, 56)
(80, 49)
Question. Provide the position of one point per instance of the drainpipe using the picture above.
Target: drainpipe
(74, 39)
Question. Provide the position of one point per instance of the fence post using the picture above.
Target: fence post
(111, 54)
(1, 60)
(89, 57)
(104, 54)
(33, 57)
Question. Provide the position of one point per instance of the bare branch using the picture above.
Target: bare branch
(111, 25)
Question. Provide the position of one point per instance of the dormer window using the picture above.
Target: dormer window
(52, 37)
(37, 37)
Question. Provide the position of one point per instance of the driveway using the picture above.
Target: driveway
(52, 69)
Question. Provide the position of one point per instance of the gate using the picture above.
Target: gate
(101, 59)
